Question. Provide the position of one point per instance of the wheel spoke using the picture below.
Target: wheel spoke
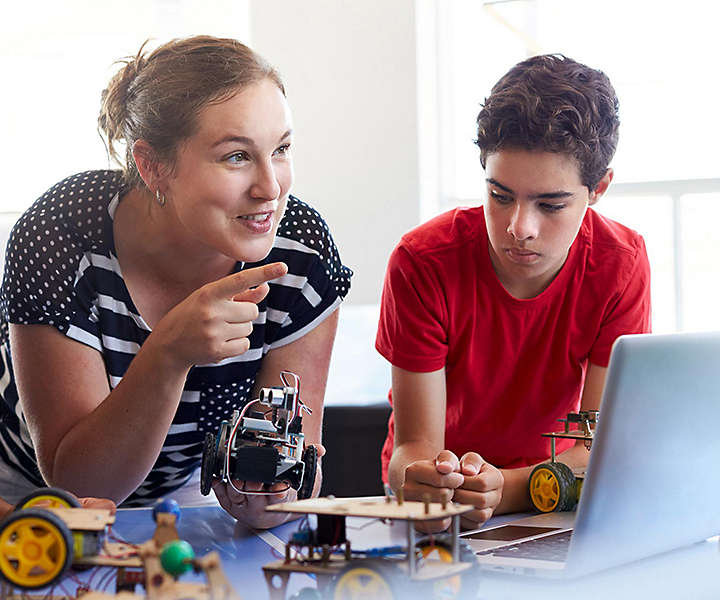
(46, 564)
(47, 541)
(25, 533)
(10, 550)
(24, 568)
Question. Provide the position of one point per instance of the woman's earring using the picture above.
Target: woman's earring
(161, 199)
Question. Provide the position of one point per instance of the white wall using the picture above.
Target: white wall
(350, 72)
(57, 57)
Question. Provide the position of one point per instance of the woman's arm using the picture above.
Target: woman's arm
(81, 431)
(309, 358)
(97, 442)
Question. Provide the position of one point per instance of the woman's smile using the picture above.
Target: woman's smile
(259, 223)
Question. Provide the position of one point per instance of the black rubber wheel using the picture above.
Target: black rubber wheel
(462, 585)
(36, 548)
(310, 459)
(57, 497)
(207, 466)
(552, 487)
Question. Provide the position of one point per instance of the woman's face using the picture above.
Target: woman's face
(231, 180)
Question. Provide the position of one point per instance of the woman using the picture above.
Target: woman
(139, 308)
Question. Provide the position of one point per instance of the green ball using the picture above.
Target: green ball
(176, 557)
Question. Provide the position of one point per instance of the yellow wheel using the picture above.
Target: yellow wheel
(48, 498)
(461, 585)
(35, 548)
(552, 487)
(366, 580)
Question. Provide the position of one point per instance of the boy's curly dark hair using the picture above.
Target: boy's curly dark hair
(552, 103)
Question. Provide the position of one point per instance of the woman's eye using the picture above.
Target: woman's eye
(238, 157)
(284, 149)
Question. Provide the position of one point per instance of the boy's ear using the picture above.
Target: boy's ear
(601, 187)
(148, 165)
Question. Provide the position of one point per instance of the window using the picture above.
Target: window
(667, 173)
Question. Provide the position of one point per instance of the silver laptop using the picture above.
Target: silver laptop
(653, 482)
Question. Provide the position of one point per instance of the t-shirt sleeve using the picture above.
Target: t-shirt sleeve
(39, 275)
(412, 331)
(46, 277)
(316, 282)
(630, 312)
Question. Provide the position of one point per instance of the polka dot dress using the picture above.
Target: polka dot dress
(61, 270)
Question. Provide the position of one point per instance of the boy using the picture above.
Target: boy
(498, 320)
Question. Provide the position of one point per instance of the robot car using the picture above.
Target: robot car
(554, 486)
(251, 447)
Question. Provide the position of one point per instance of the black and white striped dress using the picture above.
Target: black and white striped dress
(61, 270)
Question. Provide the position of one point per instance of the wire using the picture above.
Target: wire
(231, 439)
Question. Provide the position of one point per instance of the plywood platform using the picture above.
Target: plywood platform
(373, 508)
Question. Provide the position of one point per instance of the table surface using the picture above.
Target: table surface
(687, 573)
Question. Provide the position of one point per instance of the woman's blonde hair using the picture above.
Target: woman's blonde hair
(158, 97)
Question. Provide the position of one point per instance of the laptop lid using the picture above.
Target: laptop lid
(653, 481)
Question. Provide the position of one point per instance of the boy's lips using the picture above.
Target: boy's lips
(521, 255)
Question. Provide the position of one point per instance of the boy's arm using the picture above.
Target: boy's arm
(421, 466)
(419, 409)
(515, 492)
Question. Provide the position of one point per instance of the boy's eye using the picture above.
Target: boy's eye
(551, 207)
(501, 198)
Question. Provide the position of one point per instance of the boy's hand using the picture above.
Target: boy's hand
(435, 479)
(482, 487)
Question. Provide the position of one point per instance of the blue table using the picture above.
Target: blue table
(685, 573)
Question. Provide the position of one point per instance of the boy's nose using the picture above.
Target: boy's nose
(523, 223)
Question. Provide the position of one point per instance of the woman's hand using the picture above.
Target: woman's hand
(100, 503)
(214, 322)
(249, 509)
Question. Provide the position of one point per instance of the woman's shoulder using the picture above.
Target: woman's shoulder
(303, 229)
(304, 242)
(75, 209)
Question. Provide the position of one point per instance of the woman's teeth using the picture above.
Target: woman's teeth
(260, 217)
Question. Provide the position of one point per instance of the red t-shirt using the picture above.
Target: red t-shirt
(513, 367)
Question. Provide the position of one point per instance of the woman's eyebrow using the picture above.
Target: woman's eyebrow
(241, 139)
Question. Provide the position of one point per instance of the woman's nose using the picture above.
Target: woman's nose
(266, 185)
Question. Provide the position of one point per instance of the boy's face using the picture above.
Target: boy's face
(535, 206)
